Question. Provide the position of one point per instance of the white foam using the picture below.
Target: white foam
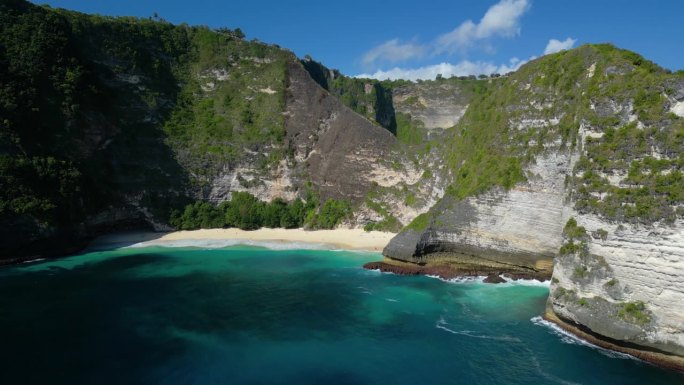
(480, 279)
(569, 338)
(469, 333)
(34, 260)
(526, 282)
(223, 243)
(465, 279)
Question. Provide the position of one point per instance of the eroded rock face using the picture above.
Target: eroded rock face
(522, 226)
(633, 265)
(340, 152)
(626, 286)
(337, 148)
(438, 105)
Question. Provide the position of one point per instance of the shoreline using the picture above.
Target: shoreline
(344, 239)
(663, 360)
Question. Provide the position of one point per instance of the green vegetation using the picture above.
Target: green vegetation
(653, 187)
(409, 131)
(601, 234)
(612, 282)
(230, 105)
(582, 302)
(486, 150)
(79, 98)
(101, 113)
(479, 152)
(580, 272)
(574, 232)
(243, 211)
(563, 292)
(380, 200)
(634, 312)
(419, 223)
(367, 97)
(246, 212)
(389, 223)
(331, 214)
(575, 241)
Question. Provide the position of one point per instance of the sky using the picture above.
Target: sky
(420, 39)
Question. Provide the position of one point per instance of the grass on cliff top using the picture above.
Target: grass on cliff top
(654, 187)
(419, 223)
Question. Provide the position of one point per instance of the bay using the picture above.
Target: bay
(250, 315)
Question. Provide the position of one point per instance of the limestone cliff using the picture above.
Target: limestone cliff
(519, 227)
(437, 104)
(609, 159)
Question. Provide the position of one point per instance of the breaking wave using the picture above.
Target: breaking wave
(441, 324)
(569, 338)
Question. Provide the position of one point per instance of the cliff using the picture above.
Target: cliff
(600, 141)
(114, 123)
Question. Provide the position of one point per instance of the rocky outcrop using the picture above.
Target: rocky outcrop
(336, 148)
(448, 270)
(622, 285)
(519, 227)
(628, 286)
(438, 105)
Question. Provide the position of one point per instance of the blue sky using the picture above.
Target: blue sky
(418, 39)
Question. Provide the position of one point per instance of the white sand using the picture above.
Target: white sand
(348, 239)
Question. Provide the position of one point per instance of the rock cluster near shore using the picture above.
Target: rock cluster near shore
(446, 271)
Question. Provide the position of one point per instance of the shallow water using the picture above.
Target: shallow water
(257, 316)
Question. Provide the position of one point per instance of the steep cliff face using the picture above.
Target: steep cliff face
(628, 285)
(600, 142)
(110, 123)
(623, 281)
(437, 104)
(340, 150)
(326, 146)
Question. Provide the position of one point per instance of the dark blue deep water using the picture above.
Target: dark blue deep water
(245, 315)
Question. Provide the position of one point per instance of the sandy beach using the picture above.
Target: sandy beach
(348, 239)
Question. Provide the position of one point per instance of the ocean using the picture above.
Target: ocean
(254, 315)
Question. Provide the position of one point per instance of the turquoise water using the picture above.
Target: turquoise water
(256, 316)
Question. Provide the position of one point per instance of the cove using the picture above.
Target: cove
(250, 315)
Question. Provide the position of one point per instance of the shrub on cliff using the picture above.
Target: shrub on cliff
(246, 212)
(331, 214)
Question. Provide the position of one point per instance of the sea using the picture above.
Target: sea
(208, 313)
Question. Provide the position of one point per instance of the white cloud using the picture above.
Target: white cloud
(501, 19)
(556, 45)
(513, 65)
(461, 68)
(393, 51)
